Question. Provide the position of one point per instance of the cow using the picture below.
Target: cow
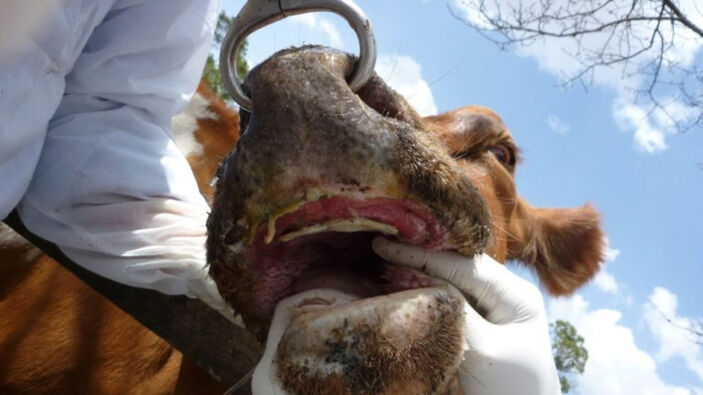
(318, 173)
(58, 335)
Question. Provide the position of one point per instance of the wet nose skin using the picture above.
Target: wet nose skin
(308, 127)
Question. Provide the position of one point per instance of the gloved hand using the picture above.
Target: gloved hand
(509, 350)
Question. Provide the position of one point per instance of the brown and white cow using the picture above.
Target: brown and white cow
(318, 173)
(58, 335)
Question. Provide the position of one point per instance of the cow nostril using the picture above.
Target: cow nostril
(244, 117)
(387, 102)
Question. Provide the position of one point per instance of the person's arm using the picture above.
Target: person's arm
(111, 189)
(509, 350)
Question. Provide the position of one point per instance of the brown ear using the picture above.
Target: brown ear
(564, 246)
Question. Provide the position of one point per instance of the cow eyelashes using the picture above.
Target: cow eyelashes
(503, 153)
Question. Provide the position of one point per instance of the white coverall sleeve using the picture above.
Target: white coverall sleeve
(39, 42)
(110, 188)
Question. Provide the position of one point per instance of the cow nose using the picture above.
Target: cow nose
(306, 120)
(309, 136)
(300, 85)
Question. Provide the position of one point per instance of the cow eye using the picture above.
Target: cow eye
(502, 153)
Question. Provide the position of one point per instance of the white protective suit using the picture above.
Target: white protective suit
(86, 151)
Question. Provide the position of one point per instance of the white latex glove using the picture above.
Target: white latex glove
(509, 350)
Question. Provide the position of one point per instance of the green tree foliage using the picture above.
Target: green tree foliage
(570, 355)
(211, 72)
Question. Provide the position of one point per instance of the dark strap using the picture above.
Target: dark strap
(223, 349)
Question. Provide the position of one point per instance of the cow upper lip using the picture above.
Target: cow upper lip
(327, 244)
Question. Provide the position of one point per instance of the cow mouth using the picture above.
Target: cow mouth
(327, 244)
(341, 318)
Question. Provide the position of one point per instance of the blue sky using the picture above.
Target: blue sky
(579, 146)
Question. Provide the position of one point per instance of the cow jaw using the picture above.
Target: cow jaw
(327, 341)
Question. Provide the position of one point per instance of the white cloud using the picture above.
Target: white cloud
(611, 254)
(557, 125)
(670, 330)
(404, 74)
(616, 364)
(604, 279)
(556, 56)
(319, 23)
(648, 138)
(606, 282)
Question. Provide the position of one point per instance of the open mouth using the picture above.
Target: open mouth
(326, 244)
(356, 323)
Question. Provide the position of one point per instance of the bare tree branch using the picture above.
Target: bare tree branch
(642, 39)
(694, 330)
(682, 18)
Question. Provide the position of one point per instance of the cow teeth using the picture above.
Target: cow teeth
(342, 225)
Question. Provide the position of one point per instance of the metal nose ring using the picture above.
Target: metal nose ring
(259, 13)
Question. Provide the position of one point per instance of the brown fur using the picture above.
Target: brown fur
(564, 246)
(57, 335)
(217, 137)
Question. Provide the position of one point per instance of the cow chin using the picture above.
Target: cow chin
(327, 341)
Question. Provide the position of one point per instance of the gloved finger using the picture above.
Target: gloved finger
(468, 274)
(476, 325)
(503, 294)
(403, 254)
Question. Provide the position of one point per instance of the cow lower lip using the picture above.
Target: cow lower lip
(332, 340)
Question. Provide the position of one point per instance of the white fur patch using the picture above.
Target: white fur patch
(11, 239)
(185, 125)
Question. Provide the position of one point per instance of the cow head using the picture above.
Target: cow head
(318, 172)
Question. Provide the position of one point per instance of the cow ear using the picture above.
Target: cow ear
(564, 246)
